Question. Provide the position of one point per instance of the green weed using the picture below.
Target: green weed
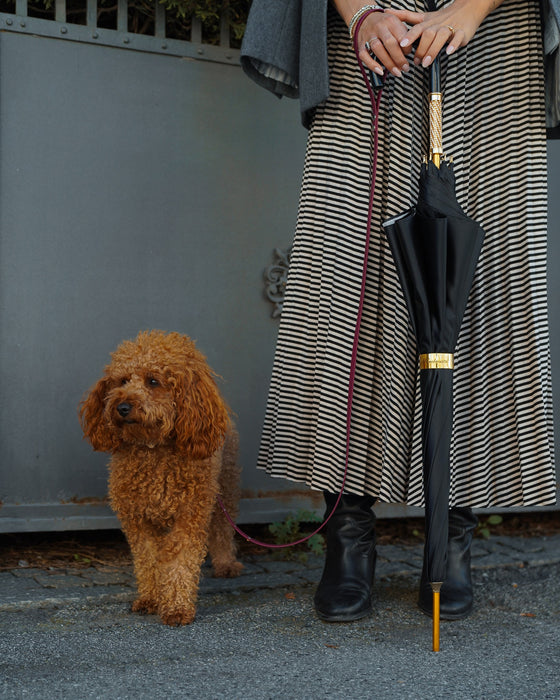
(484, 527)
(292, 529)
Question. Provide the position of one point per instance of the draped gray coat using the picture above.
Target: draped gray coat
(285, 50)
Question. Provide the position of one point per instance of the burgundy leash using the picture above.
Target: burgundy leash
(375, 99)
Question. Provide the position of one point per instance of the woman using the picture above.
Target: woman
(502, 446)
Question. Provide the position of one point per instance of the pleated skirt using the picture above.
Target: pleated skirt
(502, 449)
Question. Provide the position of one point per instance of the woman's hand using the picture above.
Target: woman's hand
(383, 33)
(454, 25)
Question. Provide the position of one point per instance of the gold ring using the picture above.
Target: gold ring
(451, 30)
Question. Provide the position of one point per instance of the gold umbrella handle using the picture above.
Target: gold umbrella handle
(436, 138)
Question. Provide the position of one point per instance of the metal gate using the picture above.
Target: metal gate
(144, 183)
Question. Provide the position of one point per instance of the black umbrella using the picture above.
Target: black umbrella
(435, 247)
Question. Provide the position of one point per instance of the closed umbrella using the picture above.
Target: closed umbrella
(435, 247)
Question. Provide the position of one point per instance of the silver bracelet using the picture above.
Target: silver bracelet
(360, 13)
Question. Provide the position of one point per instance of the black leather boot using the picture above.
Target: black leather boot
(344, 592)
(456, 599)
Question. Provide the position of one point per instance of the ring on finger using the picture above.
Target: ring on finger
(372, 40)
(451, 30)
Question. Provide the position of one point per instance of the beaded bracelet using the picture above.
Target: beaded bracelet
(362, 11)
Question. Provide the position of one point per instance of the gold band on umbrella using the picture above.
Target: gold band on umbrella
(437, 360)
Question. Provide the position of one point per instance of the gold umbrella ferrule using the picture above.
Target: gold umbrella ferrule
(436, 589)
(437, 360)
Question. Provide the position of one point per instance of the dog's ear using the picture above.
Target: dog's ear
(92, 418)
(202, 415)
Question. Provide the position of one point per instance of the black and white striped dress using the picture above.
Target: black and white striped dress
(493, 125)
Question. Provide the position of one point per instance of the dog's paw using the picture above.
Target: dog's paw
(144, 606)
(178, 617)
(230, 569)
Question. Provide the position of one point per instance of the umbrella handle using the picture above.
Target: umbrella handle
(435, 102)
(435, 75)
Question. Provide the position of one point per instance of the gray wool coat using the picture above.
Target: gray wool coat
(551, 29)
(285, 51)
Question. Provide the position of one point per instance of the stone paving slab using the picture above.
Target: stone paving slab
(25, 587)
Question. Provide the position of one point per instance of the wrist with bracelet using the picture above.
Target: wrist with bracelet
(366, 9)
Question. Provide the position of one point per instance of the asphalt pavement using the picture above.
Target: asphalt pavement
(70, 634)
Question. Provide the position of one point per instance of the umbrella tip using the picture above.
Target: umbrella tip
(436, 588)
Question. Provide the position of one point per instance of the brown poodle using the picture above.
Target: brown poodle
(158, 411)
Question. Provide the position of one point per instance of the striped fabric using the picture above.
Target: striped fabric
(493, 124)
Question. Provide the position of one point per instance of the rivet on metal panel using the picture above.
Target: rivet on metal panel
(95, 35)
(164, 46)
(22, 24)
(9, 22)
(126, 40)
(200, 52)
(64, 30)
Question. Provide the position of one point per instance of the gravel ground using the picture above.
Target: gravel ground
(258, 637)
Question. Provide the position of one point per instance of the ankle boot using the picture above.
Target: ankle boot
(456, 598)
(344, 592)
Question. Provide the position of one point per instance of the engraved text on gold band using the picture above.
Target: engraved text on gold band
(436, 360)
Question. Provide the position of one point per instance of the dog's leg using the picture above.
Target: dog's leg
(144, 554)
(221, 543)
(180, 558)
(123, 478)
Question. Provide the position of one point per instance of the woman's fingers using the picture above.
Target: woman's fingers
(458, 39)
(433, 39)
(407, 16)
(394, 62)
(454, 25)
(431, 43)
(370, 61)
(379, 41)
(384, 39)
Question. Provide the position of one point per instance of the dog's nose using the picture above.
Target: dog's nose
(123, 409)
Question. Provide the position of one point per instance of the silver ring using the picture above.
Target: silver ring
(368, 44)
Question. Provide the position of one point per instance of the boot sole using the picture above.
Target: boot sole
(442, 616)
(344, 618)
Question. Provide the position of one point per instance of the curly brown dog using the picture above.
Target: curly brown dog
(158, 411)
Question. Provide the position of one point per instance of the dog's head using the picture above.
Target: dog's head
(157, 390)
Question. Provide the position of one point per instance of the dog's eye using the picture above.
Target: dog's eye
(152, 381)
(124, 381)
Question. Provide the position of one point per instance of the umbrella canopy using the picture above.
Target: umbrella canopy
(435, 247)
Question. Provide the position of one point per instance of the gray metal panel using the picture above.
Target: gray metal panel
(554, 284)
(137, 191)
